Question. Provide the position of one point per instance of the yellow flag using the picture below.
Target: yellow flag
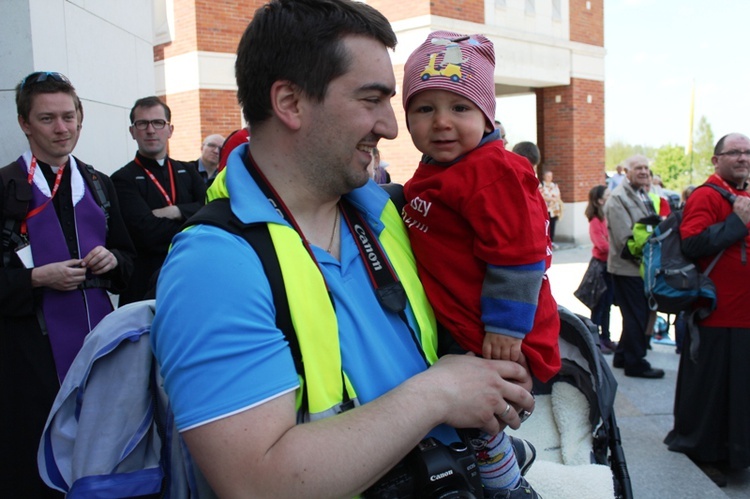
(689, 148)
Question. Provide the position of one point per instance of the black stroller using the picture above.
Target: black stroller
(584, 367)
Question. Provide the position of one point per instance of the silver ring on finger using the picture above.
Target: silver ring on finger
(505, 412)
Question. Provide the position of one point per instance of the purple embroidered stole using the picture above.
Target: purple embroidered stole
(69, 315)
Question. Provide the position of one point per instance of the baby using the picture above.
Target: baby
(478, 226)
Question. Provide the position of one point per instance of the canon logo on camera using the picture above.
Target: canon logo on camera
(435, 478)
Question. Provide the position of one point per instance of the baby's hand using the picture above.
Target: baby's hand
(499, 346)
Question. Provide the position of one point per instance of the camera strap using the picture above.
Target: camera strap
(388, 288)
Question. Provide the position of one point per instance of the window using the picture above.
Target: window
(556, 10)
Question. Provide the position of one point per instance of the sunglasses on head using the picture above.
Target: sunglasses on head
(41, 76)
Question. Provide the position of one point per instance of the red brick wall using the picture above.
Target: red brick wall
(571, 135)
(398, 10)
(185, 33)
(220, 112)
(466, 10)
(197, 114)
(587, 25)
(207, 25)
(220, 24)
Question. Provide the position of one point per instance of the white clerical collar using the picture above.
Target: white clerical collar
(76, 180)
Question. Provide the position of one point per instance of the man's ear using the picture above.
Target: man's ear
(24, 125)
(286, 103)
(131, 129)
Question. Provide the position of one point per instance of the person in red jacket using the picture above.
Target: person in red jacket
(599, 235)
(712, 401)
(478, 226)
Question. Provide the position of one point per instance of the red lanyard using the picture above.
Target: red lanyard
(156, 182)
(55, 187)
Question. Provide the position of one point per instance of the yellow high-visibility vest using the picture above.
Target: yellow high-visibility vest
(314, 318)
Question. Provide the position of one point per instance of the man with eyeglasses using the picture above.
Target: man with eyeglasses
(208, 164)
(712, 402)
(65, 246)
(157, 193)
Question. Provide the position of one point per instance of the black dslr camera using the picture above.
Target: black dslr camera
(431, 471)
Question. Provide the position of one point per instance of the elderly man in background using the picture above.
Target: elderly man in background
(627, 204)
(208, 164)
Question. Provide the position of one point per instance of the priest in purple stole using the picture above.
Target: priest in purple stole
(64, 247)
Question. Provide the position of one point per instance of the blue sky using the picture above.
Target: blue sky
(656, 50)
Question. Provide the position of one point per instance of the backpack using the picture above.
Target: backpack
(672, 282)
(111, 439)
(17, 192)
(104, 442)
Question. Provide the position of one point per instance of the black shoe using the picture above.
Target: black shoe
(612, 345)
(618, 362)
(522, 491)
(715, 474)
(525, 453)
(650, 373)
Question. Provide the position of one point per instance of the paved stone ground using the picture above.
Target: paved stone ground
(644, 407)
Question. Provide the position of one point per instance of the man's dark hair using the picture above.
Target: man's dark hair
(719, 147)
(30, 87)
(151, 101)
(528, 150)
(300, 41)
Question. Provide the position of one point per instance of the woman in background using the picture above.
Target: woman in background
(551, 195)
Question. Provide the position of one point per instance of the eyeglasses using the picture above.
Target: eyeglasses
(734, 154)
(212, 146)
(41, 76)
(143, 124)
